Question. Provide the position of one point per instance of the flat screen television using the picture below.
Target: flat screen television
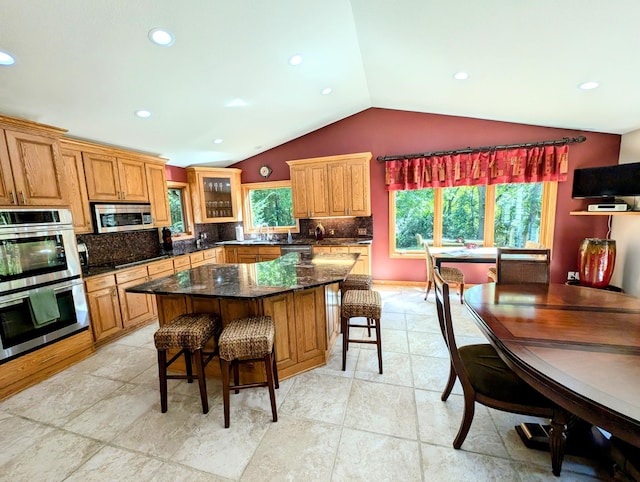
(607, 182)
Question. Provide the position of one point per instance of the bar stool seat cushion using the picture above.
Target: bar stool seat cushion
(250, 337)
(357, 282)
(362, 303)
(190, 331)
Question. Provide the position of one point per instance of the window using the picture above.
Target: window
(269, 203)
(181, 211)
(495, 215)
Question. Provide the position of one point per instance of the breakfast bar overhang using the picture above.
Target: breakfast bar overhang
(299, 291)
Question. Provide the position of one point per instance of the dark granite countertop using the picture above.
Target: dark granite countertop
(291, 272)
(166, 254)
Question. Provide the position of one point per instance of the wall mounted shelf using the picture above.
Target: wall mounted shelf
(605, 213)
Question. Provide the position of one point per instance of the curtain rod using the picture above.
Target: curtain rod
(467, 150)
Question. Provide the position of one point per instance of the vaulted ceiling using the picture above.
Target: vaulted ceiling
(87, 66)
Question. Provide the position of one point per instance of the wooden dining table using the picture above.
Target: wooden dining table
(578, 346)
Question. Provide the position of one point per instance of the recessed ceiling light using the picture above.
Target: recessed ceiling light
(461, 76)
(6, 59)
(142, 113)
(161, 37)
(217, 141)
(591, 84)
(237, 103)
(327, 91)
(295, 59)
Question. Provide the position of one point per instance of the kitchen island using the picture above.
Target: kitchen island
(299, 291)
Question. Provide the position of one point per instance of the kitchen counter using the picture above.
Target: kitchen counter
(306, 241)
(290, 272)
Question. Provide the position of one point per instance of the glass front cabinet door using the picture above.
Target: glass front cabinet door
(216, 194)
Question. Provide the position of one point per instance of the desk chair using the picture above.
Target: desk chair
(521, 265)
(451, 275)
(486, 379)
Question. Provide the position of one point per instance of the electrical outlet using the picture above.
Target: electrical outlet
(573, 275)
(331, 232)
(311, 232)
(362, 231)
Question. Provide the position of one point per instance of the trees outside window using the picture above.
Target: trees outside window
(494, 215)
(270, 203)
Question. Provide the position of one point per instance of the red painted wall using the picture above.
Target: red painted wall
(176, 174)
(389, 132)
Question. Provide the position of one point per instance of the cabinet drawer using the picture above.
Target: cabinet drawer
(246, 250)
(100, 282)
(210, 254)
(181, 263)
(363, 250)
(340, 249)
(269, 250)
(321, 249)
(131, 274)
(158, 267)
(196, 257)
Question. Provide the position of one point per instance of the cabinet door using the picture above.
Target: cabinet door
(133, 180)
(318, 190)
(247, 258)
(7, 191)
(358, 188)
(299, 190)
(310, 323)
(104, 310)
(280, 309)
(76, 190)
(230, 254)
(101, 172)
(338, 202)
(157, 186)
(35, 162)
(135, 308)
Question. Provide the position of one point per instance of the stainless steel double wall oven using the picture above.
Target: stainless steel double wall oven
(40, 272)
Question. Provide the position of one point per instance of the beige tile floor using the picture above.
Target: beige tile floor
(101, 420)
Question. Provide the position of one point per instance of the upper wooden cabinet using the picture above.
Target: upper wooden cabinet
(30, 164)
(158, 197)
(215, 194)
(111, 178)
(331, 186)
(76, 188)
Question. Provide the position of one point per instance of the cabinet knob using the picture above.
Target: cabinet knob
(24, 199)
(114, 292)
(13, 198)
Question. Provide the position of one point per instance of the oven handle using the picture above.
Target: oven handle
(16, 298)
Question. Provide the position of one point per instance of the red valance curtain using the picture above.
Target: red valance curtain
(523, 164)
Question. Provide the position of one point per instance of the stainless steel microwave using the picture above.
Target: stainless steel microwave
(115, 218)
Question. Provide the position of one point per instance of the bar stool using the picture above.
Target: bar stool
(361, 303)
(357, 282)
(189, 333)
(248, 340)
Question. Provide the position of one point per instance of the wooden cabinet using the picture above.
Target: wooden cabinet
(309, 189)
(111, 178)
(215, 192)
(158, 196)
(331, 186)
(76, 188)
(135, 308)
(231, 254)
(94, 172)
(104, 307)
(363, 264)
(38, 365)
(254, 254)
(30, 173)
(181, 263)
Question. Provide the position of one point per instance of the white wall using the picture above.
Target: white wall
(626, 229)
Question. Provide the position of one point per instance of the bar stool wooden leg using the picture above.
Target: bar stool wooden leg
(236, 375)
(189, 366)
(345, 341)
(379, 339)
(268, 364)
(202, 383)
(162, 376)
(225, 368)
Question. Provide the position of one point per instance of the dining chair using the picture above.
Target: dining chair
(492, 273)
(522, 265)
(488, 380)
(451, 275)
